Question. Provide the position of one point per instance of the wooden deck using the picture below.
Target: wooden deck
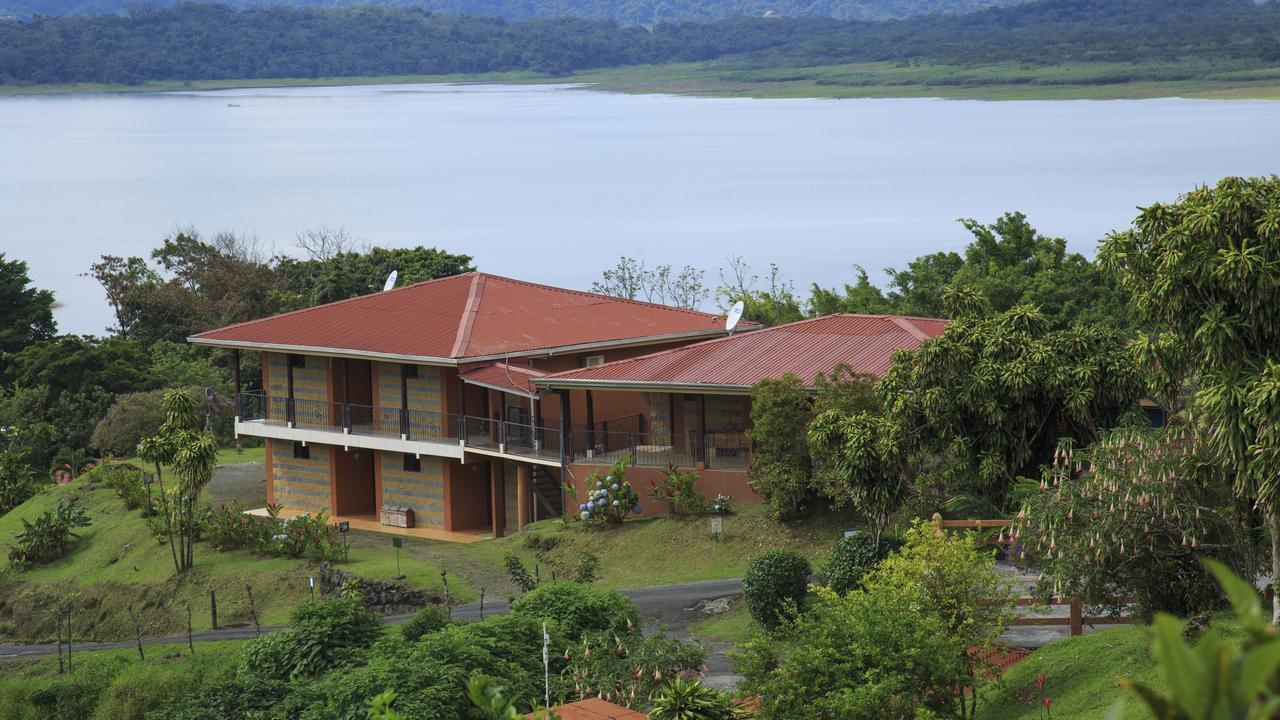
(369, 523)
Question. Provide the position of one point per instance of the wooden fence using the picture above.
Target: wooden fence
(1075, 620)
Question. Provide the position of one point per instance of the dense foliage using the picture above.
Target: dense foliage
(192, 41)
(432, 618)
(578, 610)
(1010, 263)
(1204, 273)
(1134, 514)
(990, 397)
(775, 586)
(853, 557)
(321, 635)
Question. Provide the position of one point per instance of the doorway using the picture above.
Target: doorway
(354, 491)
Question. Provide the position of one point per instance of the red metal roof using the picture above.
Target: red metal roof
(465, 316)
(503, 376)
(864, 342)
(595, 709)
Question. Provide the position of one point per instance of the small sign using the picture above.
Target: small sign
(717, 525)
(397, 543)
(849, 533)
(312, 581)
(344, 526)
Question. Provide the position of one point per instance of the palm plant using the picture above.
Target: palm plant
(689, 699)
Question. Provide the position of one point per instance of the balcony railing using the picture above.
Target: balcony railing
(512, 437)
(727, 451)
(350, 418)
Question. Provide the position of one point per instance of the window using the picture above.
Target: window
(300, 451)
(412, 463)
(592, 360)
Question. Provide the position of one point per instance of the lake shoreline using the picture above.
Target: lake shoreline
(700, 80)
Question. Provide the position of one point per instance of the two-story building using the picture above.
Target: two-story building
(422, 398)
(474, 400)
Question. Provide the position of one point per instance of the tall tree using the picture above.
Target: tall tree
(26, 312)
(1205, 273)
(991, 396)
(775, 304)
(343, 275)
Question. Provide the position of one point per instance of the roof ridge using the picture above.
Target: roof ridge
(910, 327)
(467, 321)
(343, 301)
(601, 296)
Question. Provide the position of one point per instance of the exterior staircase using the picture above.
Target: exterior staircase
(548, 494)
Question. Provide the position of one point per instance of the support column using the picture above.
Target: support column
(289, 415)
(497, 496)
(591, 423)
(701, 438)
(404, 400)
(565, 408)
(522, 495)
(235, 372)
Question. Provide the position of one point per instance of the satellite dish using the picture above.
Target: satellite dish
(735, 314)
(390, 283)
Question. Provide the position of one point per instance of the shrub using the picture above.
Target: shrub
(308, 536)
(855, 556)
(678, 491)
(610, 498)
(587, 567)
(229, 528)
(689, 699)
(518, 573)
(578, 609)
(868, 654)
(322, 634)
(430, 619)
(775, 585)
(49, 537)
(781, 469)
(17, 480)
(235, 698)
(626, 669)
(130, 485)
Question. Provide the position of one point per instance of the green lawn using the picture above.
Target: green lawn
(734, 627)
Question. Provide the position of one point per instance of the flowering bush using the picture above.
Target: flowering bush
(610, 498)
(627, 668)
(229, 528)
(678, 491)
(721, 505)
(308, 536)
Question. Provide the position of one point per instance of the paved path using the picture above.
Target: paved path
(670, 606)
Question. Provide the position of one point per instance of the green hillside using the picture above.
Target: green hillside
(118, 561)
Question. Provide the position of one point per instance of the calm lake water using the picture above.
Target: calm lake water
(552, 183)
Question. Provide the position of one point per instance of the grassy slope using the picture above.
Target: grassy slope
(1081, 678)
(121, 686)
(117, 561)
(652, 551)
(1006, 81)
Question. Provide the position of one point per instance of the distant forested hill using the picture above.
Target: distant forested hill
(211, 42)
(627, 12)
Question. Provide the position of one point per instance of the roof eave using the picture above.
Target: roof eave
(553, 383)
(316, 350)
